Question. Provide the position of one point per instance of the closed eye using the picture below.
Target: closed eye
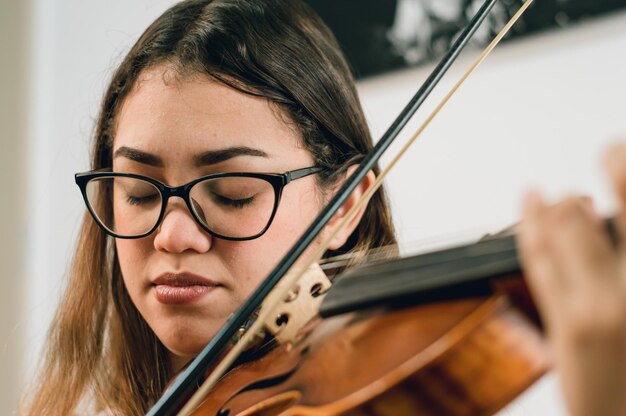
(135, 200)
(228, 202)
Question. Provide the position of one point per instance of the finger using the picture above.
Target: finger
(582, 250)
(615, 163)
(540, 271)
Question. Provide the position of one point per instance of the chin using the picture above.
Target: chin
(185, 341)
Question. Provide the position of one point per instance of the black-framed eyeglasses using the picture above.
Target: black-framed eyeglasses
(232, 206)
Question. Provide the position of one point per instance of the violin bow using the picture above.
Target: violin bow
(178, 395)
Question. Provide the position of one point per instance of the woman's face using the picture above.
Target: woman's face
(164, 125)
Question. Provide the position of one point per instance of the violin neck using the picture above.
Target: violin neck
(478, 269)
(454, 273)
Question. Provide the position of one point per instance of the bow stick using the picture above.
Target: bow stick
(194, 375)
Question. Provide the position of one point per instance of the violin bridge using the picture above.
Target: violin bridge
(300, 305)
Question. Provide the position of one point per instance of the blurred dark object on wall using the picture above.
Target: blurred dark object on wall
(384, 35)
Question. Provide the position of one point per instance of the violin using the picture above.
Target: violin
(451, 332)
(471, 346)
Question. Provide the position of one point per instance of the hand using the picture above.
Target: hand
(578, 280)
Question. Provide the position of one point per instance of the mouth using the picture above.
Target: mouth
(182, 288)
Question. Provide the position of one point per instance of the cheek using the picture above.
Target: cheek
(298, 208)
(132, 256)
(295, 213)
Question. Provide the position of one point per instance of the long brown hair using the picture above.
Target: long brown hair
(99, 346)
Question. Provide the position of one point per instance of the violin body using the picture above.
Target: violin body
(455, 357)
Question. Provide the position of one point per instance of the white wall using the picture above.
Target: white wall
(539, 111)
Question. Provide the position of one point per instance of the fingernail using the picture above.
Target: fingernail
(533, 198)
(590, 210)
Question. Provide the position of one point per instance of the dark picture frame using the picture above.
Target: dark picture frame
(379, 36)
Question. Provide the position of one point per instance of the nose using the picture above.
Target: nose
(179, 232)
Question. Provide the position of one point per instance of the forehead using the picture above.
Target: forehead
(169, 113)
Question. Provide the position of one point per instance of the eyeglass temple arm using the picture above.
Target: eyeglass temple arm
(301, 173)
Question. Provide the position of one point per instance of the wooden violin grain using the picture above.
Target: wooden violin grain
(463, 357)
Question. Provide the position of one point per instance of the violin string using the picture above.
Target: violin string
(412, 248)
(377, 252)
(333, 266)
(408, 250)
(277, 296)
(383, 252)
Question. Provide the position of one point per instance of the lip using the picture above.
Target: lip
(182, 288)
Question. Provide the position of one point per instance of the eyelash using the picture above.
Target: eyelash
(138, 201)
(235, 203)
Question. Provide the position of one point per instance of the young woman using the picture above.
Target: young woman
(228, 104)
(245, 89)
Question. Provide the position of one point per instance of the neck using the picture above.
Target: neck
(179, 362)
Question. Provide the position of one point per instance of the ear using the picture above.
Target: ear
(342, 236)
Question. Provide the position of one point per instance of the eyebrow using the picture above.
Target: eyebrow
(210, 157)
(138, 156)
(216, 156)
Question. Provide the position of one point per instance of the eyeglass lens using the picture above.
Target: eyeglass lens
(236, 207)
